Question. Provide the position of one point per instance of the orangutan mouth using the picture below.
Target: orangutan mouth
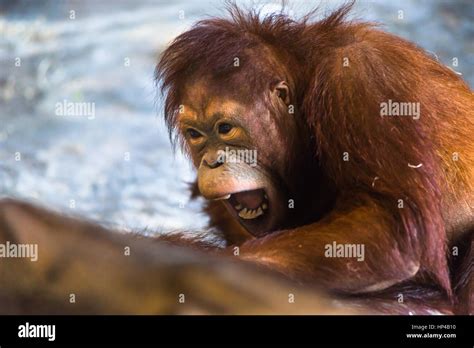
(250, 205)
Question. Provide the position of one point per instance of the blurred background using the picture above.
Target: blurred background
(115, 165)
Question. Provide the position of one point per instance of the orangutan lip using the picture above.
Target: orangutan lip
(223, 198)
(251, 204)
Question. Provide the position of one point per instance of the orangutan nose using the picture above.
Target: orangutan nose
(212, 161)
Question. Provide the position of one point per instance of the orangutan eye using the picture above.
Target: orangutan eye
(225, 128)
(194, 134)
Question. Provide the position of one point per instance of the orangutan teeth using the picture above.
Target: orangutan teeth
(222, 198)
(250, 214)
(264, 206)
(243, 213)
(238, 207)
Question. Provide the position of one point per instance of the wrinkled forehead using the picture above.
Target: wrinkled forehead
(202, 89)
(213, 98)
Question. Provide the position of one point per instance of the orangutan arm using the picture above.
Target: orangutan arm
(303, 254)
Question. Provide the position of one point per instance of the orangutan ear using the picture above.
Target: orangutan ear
(282, 91)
